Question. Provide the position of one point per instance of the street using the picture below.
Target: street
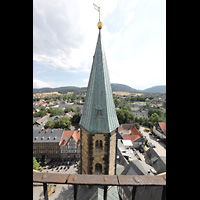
(159, 146)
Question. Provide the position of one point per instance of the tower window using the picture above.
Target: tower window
(98, 145)
(99, 112)
(98, 168)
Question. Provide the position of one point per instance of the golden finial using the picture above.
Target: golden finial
(99, 25)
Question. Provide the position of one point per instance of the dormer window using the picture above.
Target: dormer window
(99, 112)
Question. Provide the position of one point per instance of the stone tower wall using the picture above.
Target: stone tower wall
(90, 155)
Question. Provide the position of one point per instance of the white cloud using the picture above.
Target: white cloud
(65, 35)
(41, 84)
(129, 18)
(65, 32)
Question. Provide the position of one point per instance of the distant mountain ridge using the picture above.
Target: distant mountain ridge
(156, 89)
(116, 87)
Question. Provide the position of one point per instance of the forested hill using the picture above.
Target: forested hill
(115, 87)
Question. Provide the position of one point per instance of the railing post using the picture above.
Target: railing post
(75, 191)
(164, 193)
(105, 192)
(45, 191)
(133, 192)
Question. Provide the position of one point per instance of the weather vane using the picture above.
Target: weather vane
(99, 24)
(97, 8)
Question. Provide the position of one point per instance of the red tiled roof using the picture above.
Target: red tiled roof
(68, 134)
(135, 135)
(162, 126)
(76, 136)
(125, 127)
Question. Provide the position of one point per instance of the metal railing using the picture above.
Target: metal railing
(102, 180)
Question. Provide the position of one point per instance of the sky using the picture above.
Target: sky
(65, 35)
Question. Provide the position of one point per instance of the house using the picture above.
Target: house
(136, 168)
(96, 192)
(54, 118)
(130, 132)
(70, 144)
(42, 120)
(160, 130)
(161, 127)
(127, 144)
(55, 143)
(158, 100)
(156, 161)
(46, 143)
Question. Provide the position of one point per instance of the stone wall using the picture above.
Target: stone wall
(112, 153)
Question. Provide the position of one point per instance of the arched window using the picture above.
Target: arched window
(98, 145)
(98, 168)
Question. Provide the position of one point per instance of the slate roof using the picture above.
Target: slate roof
(99, 114)
(46, 135)
(96, 193)
(153, 159)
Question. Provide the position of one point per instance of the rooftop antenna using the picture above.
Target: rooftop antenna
(97, 8)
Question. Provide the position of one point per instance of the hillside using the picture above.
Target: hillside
(156, 89)
(124, 88)
(115, 88)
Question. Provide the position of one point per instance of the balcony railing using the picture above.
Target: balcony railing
(102, 180)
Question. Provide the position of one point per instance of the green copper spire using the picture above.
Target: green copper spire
(99, 114)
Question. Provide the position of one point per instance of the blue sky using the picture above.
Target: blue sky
(65, 34)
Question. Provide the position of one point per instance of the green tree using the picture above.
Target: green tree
(150, 124)
(63, 122)
(124, 116)
(154, 118)
(73, 109)
(136, 125)
(55, 112)
(141, 120)
(49, 124)
(67, 110)
(35, 163)
(75, 118)
(120, 116)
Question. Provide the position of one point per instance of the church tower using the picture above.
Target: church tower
(99, 120)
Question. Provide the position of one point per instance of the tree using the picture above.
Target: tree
(55, 112)
(49, 124)
(67, 110)
(150, 124)
(117, 101)
(120, 116)
(141, 120)
(154, 118)
(124, 116)
(63, 122)
(136, 125)
(73, 109)
(75, 118)
(35, 163)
